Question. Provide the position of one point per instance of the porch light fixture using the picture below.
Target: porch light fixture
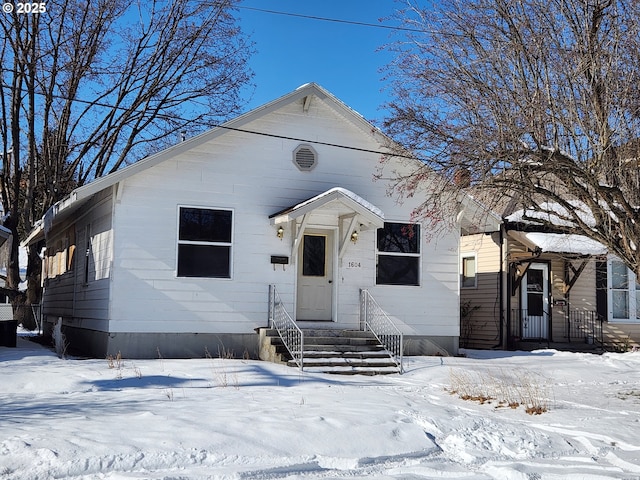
(354, 236)
(280, 232)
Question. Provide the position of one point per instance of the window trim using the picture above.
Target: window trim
(464, 256)
(632, 290)
(229, 244)
(88, 250)
(417, 255)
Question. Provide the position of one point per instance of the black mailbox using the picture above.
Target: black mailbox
(279, 260)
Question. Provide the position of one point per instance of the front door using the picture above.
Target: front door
(315, 276)
(535, 302)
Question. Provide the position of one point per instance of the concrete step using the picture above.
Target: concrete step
(366, 354)
(345, 352)
(344, 362)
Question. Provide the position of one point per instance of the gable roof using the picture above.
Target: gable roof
(343, 200)
(303, 94)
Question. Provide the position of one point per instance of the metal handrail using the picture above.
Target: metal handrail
(376, 320)
(585, 325)
(292, 336)
(581, 325)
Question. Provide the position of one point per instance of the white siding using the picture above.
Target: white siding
(85, 303)
(255, 177)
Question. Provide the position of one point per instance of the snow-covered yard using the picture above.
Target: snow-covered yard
(233, 419)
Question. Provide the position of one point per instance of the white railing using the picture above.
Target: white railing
(292, 336)
(375, 319)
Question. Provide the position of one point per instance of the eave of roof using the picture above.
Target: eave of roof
(5, 233)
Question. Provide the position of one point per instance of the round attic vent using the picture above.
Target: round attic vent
(305, 157)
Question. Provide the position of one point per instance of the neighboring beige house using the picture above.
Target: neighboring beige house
(520, 287)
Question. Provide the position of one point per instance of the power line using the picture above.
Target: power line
(364, 24)
(186, 121)
(334, 20)
(315, 142)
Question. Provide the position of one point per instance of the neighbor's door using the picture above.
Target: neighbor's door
(315, 276)
(535, 302)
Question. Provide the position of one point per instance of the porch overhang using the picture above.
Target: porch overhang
(560, 243)
(335, 207)
(571, 248)
(335, 202)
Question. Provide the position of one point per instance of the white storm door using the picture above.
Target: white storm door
(315, 277)
(535, 302)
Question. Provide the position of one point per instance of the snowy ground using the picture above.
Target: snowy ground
(234, 419)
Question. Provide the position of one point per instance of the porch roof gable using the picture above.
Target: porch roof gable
(340, 200)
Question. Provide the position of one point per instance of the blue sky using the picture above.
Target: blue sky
(342, 58)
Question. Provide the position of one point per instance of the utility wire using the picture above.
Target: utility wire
(334, 20)
(186, 121)
(315, 142)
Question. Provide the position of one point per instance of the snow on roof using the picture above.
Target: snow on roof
(553, 213)
(347, 193)
(566, 243)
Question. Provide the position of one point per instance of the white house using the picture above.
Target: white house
(174, 255)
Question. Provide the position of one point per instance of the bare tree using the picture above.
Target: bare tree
(534, 102)
(88, 87)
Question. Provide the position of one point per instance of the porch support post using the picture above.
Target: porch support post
(570, 281)
(298, 238)
(517, 279)
(347, 234)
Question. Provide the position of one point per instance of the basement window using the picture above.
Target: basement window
(305, 158)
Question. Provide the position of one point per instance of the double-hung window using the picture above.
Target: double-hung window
(398, 254)
(204, 242)
(624, 293)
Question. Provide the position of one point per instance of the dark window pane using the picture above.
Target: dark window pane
(313, 256)
(392, 270)
(399, 237)
(205, 225)
(204, 261)
(535, 281)
(535, 305)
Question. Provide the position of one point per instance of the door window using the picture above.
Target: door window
(535, 292)
(314, 256)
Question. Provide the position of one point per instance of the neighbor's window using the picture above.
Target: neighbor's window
(624, 293)
(204, 242)
(398, 255)
(468, 271)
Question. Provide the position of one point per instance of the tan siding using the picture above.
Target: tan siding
(558, 313)
(621, 336)
(482, 328)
